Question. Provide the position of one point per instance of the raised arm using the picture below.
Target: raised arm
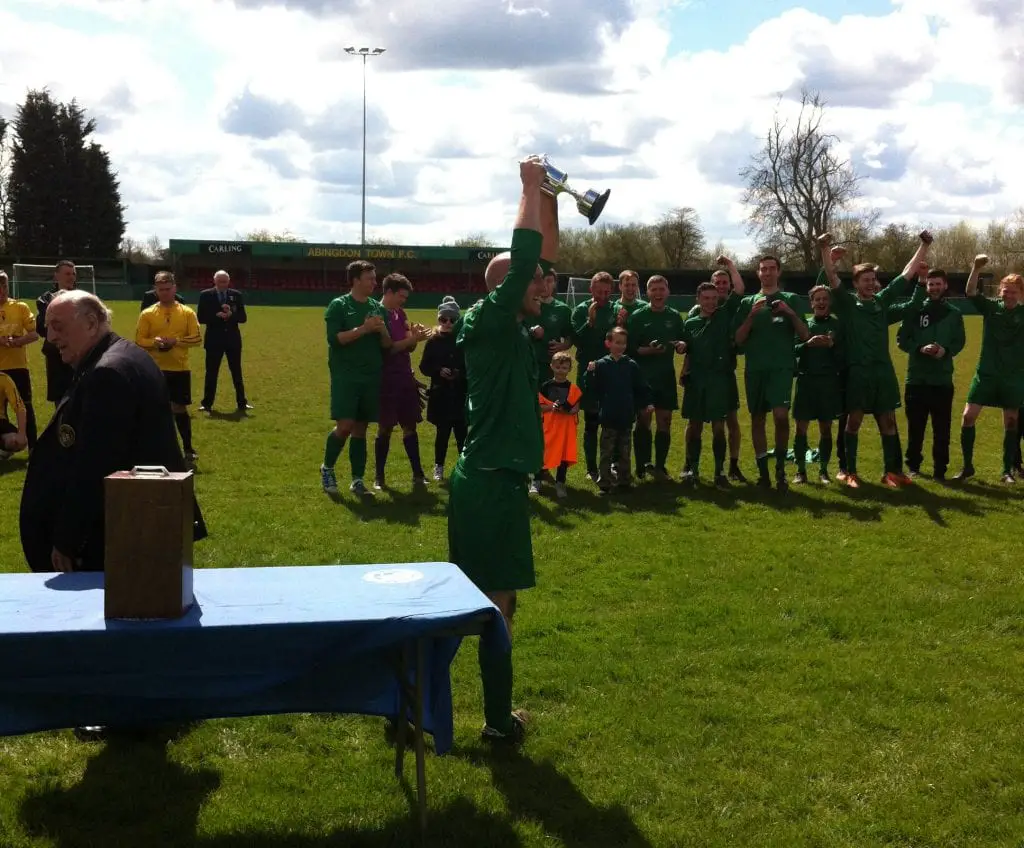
(980, 262)
(738, 286)
(548, 231)
(829, 257)
(920, 256)
(520, 267)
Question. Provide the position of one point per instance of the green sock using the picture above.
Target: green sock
(825, 450)
(851, 453)
(762, 465)
(332, 450)
(693, 455)
(642, 447)
(967, 446)
(357, 456)
(800, 451)
(719, 447)
(662, 441)
(496, 676)
(891, 454)
(1009, 450)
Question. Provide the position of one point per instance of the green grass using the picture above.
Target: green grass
(828, 668)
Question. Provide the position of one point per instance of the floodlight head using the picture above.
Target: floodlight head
(364, 51)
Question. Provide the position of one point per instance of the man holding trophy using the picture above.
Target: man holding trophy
(489, 507)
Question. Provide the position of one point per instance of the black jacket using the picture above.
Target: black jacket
(149, 298)
(115, 416)
(58, 375)
(221, 333)
(446, 401)
(42, 302)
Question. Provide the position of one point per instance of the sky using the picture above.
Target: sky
(227, 116)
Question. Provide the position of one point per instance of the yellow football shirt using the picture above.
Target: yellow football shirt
(9, 399)
(175, 321)
(16, 319)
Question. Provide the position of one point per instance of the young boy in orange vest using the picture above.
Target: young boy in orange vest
(560, 404)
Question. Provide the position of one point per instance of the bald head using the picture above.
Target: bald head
(497, 269)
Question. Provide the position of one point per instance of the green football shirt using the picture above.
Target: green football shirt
(589, 340)
(648, 325)
(556, 319)
(866, 322)
(502, 414)
(630, 308)
(363, 358)
(769, 345)
(1002, 339)
(709, 341)
(821, 361)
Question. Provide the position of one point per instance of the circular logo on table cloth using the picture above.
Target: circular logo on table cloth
(393, 575)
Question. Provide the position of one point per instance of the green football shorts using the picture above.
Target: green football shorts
(662, 391)
(489, 528)
(873, 389)
(355, 400)
(999, 392)
(707, 398)
(768, 390)
(817, 398)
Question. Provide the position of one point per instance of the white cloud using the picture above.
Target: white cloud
(921, 100)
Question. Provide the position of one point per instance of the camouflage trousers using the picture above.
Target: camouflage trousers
(615, 450)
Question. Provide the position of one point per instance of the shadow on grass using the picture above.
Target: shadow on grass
(236, 416)
(131, 794)
(15, 463)
(395, 506)
(932, 502)
(538, 792)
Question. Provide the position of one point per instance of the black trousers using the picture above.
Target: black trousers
(23, 383)
(213, 359)
(922, 403)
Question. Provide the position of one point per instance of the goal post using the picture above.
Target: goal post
(39, 274)
(577, 290)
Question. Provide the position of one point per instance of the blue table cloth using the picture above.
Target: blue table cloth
(258, 641)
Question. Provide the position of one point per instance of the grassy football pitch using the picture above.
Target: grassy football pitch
(824, 668)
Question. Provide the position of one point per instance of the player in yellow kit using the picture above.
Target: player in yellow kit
(17, 331)
(13, 437)
(167, 329)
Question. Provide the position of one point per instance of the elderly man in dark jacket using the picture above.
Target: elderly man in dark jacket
(115, 416)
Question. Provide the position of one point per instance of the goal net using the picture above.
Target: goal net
(577, 291)
(43, 274)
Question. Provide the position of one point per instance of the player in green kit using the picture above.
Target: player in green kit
(654, 332)
(591, 321)
(723, 280)
(489, 508)
(819, 395)
(999, 378)
(357, 332)
(629, 300)
(766, 325)
(871, 385)
(708, 340)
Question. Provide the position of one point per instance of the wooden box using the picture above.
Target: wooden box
(149, 515)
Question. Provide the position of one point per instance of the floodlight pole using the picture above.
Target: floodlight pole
(364, 52)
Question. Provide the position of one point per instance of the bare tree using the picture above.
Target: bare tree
(133, 250)
(681, 236)
(157, 251)
(270, 235)
(473, 240)
(797, 184)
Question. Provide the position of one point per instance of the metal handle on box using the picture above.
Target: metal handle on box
(150, 471)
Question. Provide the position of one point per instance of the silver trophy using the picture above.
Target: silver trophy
(590, 204)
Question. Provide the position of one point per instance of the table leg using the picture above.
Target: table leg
(421, 755)
(403, 711)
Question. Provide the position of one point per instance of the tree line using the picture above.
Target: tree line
(59, 196)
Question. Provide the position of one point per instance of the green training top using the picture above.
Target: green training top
(709, 340)
(769, 345)
(630, 308)
(362, 359)
(821, 361)
(930, 322)
(647, 325)
(589, 340)
(502, 413)
(867, 321)
(1002, 340)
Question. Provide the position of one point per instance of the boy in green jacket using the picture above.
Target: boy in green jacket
(932, 333)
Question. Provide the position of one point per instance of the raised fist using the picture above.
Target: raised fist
(532, 171)
(926, 237)
(837, 253)
(824, 240)
(980, 261)
(724, 260)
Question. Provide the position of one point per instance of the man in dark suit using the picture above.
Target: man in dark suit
(115, 416)
(149, 298)
(222, 309)
(58, 375)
